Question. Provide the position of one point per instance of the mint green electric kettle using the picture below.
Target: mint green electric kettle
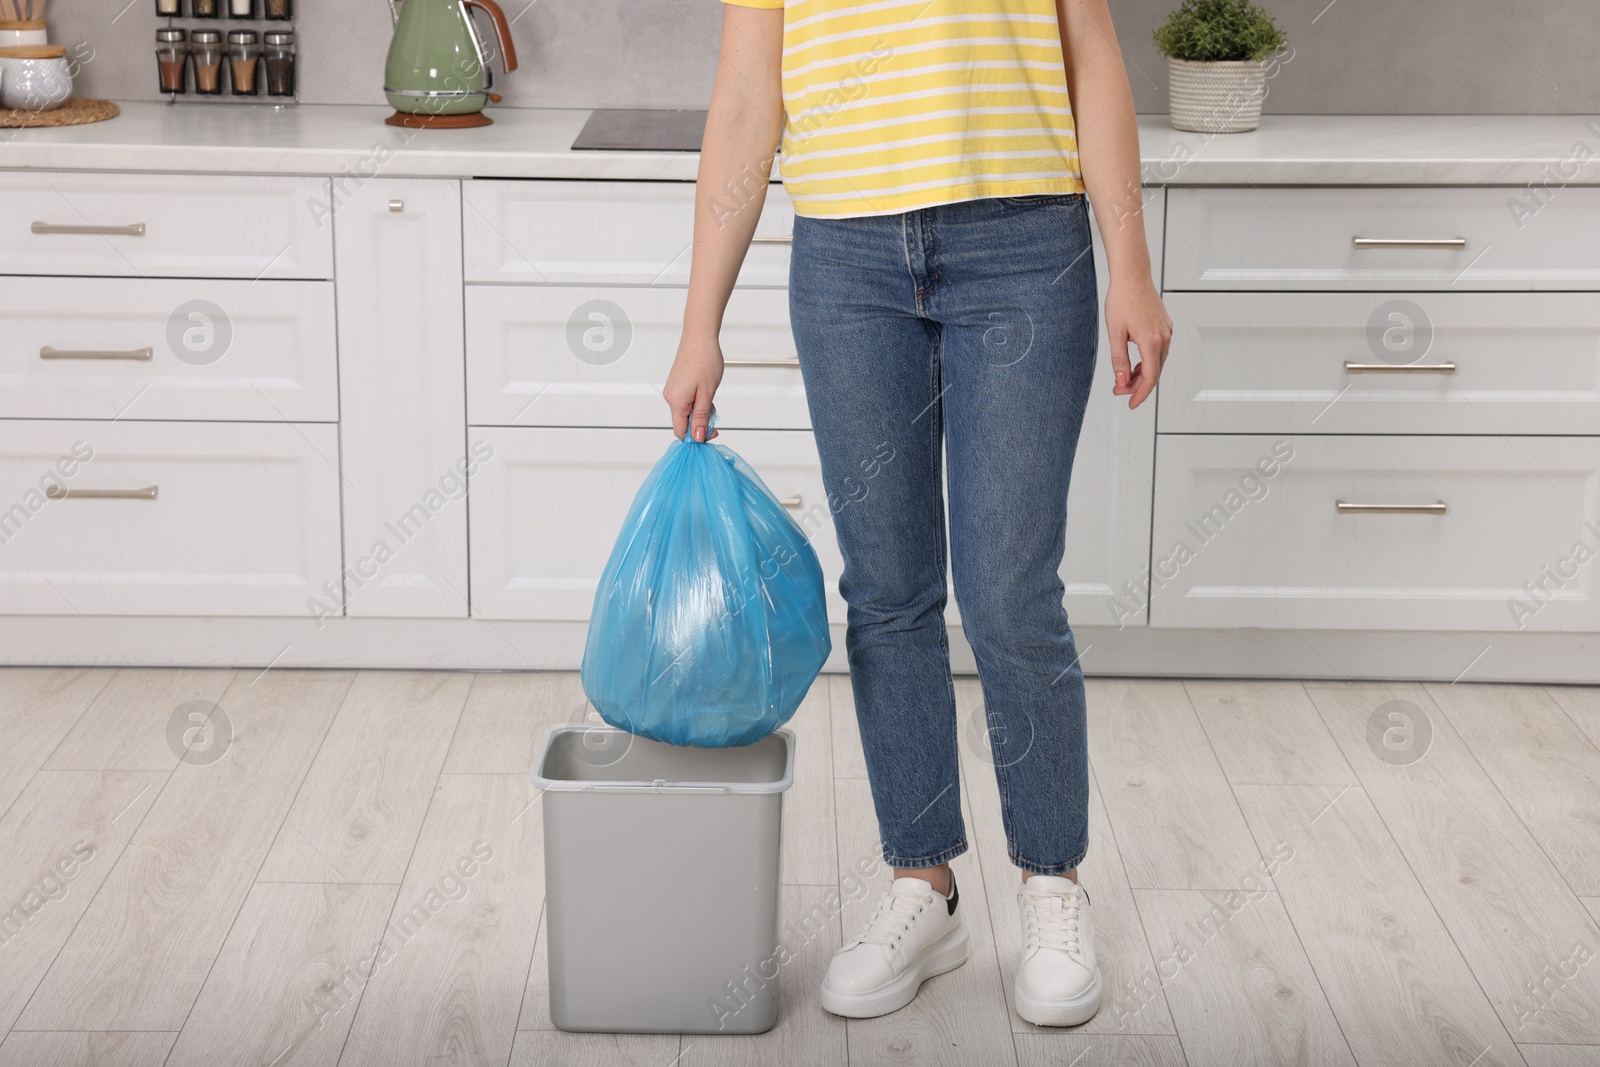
(436, 75)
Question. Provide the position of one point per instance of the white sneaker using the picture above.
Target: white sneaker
(1058, 983)
(913, 934)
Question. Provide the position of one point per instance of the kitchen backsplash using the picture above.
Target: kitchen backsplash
(1422, 57)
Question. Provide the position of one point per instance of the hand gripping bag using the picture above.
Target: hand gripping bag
(710, 623)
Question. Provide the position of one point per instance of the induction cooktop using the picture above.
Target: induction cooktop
(642, 130)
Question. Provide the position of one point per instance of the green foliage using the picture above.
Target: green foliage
(1212, 31)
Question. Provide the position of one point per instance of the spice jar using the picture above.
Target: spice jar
(172, 58)
(206, 45)
(205, 9)
(280, 62)
(280, 9)
(244, 57)
(242, 9)
(167, 8)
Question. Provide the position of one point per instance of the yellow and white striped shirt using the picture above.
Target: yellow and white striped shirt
(893, 105)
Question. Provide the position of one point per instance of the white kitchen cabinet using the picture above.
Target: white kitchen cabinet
(152, 518)
(1348, 239)
(1316, 545)
(547, 509)
(578, 355)
(403, 427)
(134, 348)
(1479, 363)
(607, 233)
(165, 225)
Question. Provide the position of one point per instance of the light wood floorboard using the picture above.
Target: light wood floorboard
(141, 952)
(287, 982)
(125, 726)
(1049, 1049)
(43, 1048)
(505, 718)
(60, 842)
(1238, 981)
(1396, 982)
(38, 706)
(1419, 902)
(1561, 1055)
(1267, 733)
(1176, 821)
(1506, 907)
(462, 933)
(1545, 766)
(357, 816)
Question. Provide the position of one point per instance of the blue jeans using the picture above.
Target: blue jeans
(965, 332)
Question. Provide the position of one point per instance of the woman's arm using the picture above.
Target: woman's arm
(742, 130)
(1108, 152)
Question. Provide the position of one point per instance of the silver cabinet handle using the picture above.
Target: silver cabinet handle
(791, 501)
(791, 362)
(1394, 368)
(1444, 243)
(133, 229)
(397, 206)
(48, 352)
(56, 492)
(772, 239)
(1390, 509)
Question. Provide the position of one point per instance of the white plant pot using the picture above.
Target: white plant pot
(1216, 97)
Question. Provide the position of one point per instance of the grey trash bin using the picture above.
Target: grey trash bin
(661, 881)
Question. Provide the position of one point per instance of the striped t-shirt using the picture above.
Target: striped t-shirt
(893, 105)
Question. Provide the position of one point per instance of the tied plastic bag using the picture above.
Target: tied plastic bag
(710, 623)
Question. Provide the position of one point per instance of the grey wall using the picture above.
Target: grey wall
(1353, 56)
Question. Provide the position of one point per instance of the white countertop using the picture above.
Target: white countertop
(534, 143)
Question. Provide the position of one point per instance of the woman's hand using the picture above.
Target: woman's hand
(1134, 313)
(696, 373)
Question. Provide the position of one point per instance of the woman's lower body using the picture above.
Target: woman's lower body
(960, 337)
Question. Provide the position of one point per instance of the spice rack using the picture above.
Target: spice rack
(227, 52)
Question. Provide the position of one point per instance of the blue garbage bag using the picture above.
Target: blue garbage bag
(710, 623)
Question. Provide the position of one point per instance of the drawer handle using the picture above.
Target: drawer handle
(772, 239)
(792, 501)
(133, 229)
(48, 352)
(56, 492)
(1399, 368)
(791, 362)
(1438, 508)
(1438, 243)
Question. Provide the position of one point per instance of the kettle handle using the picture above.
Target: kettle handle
(502, 31)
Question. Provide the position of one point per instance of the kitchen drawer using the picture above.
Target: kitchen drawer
(605, 233)
(549, 506)
(1523, 363)
(1232, 547)
(165, 225)
(1305, 238)
(585, 356)
(240, 519)
(104, 348)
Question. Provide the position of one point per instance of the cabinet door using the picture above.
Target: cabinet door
(168, 518)
(403, 432)
(547, 506)
(1108, 510)
(1377, 533)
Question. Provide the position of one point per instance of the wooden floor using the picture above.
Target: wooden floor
(1281, 874)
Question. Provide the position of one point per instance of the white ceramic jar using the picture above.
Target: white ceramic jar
(29, 31)
(34, 77)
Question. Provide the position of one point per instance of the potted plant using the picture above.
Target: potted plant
(1215, 51)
